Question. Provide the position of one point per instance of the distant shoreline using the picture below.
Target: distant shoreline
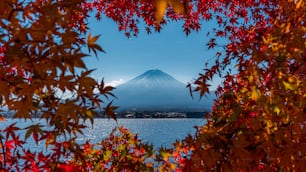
(142, 114)
(160, 114)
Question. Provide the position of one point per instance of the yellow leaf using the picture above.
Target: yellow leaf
(121, 147)
(89, 114)
(251, 79)
(255, 93)
(107, 155)
(277, 110)
(165, 155)
(288, 86)
(243, 90)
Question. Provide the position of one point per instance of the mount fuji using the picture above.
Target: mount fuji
(156, 90)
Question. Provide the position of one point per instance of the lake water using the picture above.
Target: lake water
(159, 132)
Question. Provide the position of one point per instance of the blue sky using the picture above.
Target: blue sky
(170, 50)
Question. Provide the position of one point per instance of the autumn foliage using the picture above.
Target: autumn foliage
(257, 123)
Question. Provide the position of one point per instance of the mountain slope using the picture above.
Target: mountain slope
(157, 90)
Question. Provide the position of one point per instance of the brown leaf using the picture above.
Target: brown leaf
(190, 89)
(176, 5)
(160, 8)
(91, 43)
(109, 110)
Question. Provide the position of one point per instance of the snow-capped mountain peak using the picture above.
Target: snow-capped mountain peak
(157, 90)
(154, 74)
(153, 78)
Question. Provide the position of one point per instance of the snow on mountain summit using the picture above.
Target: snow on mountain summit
(153, 78)
(157, 90)
(154, 74)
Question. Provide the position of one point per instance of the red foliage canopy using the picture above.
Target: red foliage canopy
(260, 112)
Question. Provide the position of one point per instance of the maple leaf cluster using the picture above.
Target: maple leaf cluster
(258, 121)
(256, 124)
(41, 61)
